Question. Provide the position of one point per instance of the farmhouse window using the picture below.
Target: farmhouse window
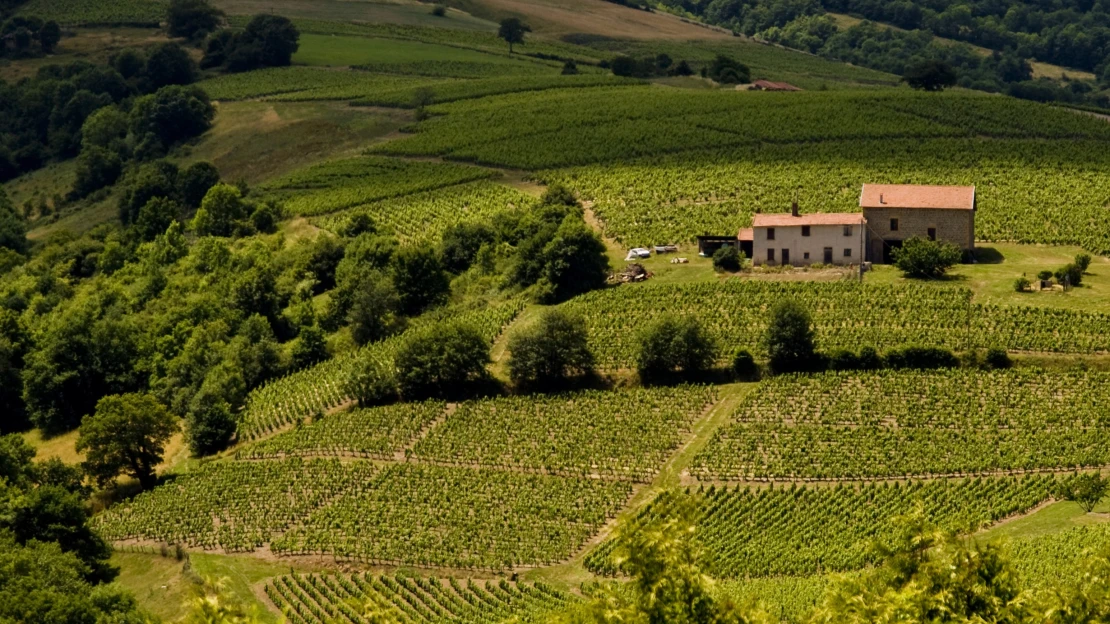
(805, 255)
(770, 255)
(805, 230)
(847, 230)
(770, 233)
(894, 225)
(848, 252)
(932, 234)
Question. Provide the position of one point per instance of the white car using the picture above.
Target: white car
(640, 252)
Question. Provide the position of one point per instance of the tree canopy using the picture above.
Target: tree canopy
(547, 353)
(789, 339)
(126, 435)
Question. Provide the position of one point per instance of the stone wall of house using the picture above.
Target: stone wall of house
(954, 226)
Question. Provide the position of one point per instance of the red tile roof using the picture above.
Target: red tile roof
(917, 196)
(774, 86)
(746, 234)
(819, 218)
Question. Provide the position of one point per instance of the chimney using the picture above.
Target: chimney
(881, 199)
(794, 209)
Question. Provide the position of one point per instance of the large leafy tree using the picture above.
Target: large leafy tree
(512, 30)
(789, 339)
(420, 279)
(929, 75)
(574, 261)
(126, 435)
(192, 18)
(548, 352)
(443, 360)
(86, 351)
(673, 344)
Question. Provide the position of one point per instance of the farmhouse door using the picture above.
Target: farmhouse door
(785, 257)
(828, 255)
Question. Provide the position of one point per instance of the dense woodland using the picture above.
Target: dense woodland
(1071, 34)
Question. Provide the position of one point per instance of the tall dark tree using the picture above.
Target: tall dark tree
(552, 350)
(192, 18)
(512, 30)
(420, 279)
(126, 435)
(672, 344)
(789, 340)
(574, 261)
(272, 38)
(13, 230)
(441, 361)
(169, 64)
(929, 75)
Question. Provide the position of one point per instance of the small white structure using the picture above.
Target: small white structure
(794, 239)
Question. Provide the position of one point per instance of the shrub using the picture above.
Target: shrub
(997, 358)
(869, 359)
(923, 258)
(744, 366)
(439, 10)
(921, 358)
(673, 344)
(843, 360)
(727, 259)
(550, 351)
(1083, 261)
(1045, 275)
(789, 339)
(1022, 284)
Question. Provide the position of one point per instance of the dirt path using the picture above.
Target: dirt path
(572, 573)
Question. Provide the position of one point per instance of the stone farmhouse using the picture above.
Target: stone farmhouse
(888, 215)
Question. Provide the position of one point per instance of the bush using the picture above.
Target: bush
(843, 360)
(209, 427)
(1083, 261)
(443, 360)
(921, 358)
(549, 352)
(869, 359)
(923, 258)
(1070, 275)
(439, 10)
(744, 366)
(789, 339)
(997, 358)
(727, 259)
(673, 344)
(1045, 275)
(1022, 284)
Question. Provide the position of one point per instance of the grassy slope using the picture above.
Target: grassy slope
(342, 51)
(993, 280)
(403, 12)
(556, 18)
